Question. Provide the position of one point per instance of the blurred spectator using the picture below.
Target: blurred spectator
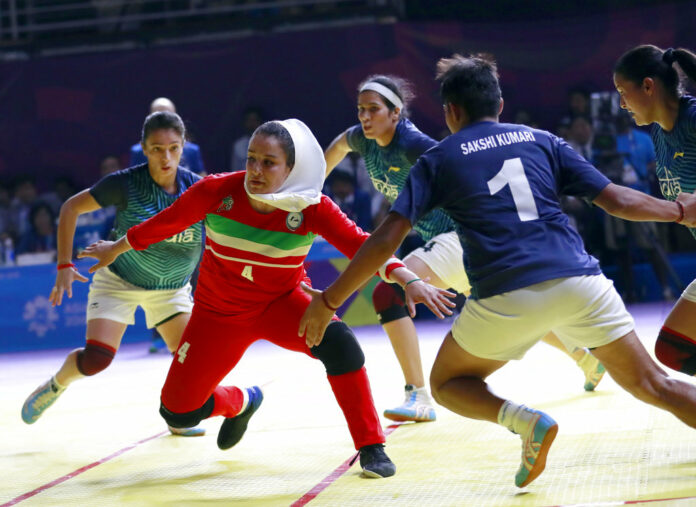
(41, 233)
(578, 105)
(96, 225)
(24, 198)
(109, 164)
(626, 166)
(252, 117)
(5, 216)
(355, 203)
(580, 137)
(63, 189)
(524, 117)
(639, 153)
(191, 158)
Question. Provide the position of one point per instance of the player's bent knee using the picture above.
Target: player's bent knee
(676, 351)
(339, 350)
(388, 300)
(95, 357)
(187, 419)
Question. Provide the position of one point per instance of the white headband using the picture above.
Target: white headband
(384, 92)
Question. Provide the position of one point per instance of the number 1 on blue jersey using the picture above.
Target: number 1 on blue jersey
(512, 173)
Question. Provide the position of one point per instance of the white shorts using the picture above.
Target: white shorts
(690, 292)
(583, 311)
(111, 297)
(443, 254)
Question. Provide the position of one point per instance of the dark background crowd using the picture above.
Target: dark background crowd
(73, 97)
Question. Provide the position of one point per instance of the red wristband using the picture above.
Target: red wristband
(63, 266)
(681, 212)
(326, 303)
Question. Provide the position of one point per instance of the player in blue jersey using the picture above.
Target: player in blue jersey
(390, 144)
(651, 92)
(528, 269)
(156, 280)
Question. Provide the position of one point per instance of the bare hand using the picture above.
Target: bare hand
(64, 280)
(103, 251)
(438, 300)
(315, 319)
(689, 203)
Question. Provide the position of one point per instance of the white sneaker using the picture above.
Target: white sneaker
(417, 407)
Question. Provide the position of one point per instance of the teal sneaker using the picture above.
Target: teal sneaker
(535, 447)
(187, 432)
(233, 428)
(593, 370)
(43, 397)
(417, 407)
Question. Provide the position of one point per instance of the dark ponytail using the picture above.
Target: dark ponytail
(653, 62)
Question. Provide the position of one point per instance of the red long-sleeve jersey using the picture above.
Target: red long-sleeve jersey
(250, 258)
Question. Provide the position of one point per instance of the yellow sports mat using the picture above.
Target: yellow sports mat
(103, 442)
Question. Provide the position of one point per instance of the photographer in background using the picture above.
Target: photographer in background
(626, 156)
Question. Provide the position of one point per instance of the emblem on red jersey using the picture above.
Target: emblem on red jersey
(294, 220)
(227, 203)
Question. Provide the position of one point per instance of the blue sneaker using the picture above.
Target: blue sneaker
(233, 428)
(593, 370)
(43, 397)
(535, 447)
(187, 432)
(416, 407)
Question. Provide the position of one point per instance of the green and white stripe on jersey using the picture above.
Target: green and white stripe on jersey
(234, 240)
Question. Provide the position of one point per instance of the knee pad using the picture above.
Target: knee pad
(676, 351)
(339, 350)
(187, 419)
(389, 302)
(95, 357)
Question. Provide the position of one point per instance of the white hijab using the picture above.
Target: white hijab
(302, 187)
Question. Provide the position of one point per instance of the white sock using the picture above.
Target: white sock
(515, 417)
(245, 399)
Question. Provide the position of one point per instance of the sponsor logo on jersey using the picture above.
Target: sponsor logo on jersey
(669, 184)
(294, 220)
(394, 168)
(388, 190)
(226, 205)
(678, 154)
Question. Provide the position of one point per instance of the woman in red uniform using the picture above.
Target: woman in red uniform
(260, 225)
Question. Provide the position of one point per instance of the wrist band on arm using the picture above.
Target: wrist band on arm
(326, 302)
(411, 281)
(681, 212)
(63, 266)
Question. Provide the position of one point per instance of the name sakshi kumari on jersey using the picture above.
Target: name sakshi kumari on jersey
(504, 139)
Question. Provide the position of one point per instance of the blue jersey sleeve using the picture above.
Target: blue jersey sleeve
(112, 190)
(137, 156)
(416, 198)
(194, 160)
(356, 139)
(416, 143)
(576, 176)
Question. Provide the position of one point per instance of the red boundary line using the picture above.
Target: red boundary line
(79, 471)
(333, 476)
(304, 500)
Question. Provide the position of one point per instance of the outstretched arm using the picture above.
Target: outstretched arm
(77, 205)
(629, 204)
(369, 258)
(336, 151)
